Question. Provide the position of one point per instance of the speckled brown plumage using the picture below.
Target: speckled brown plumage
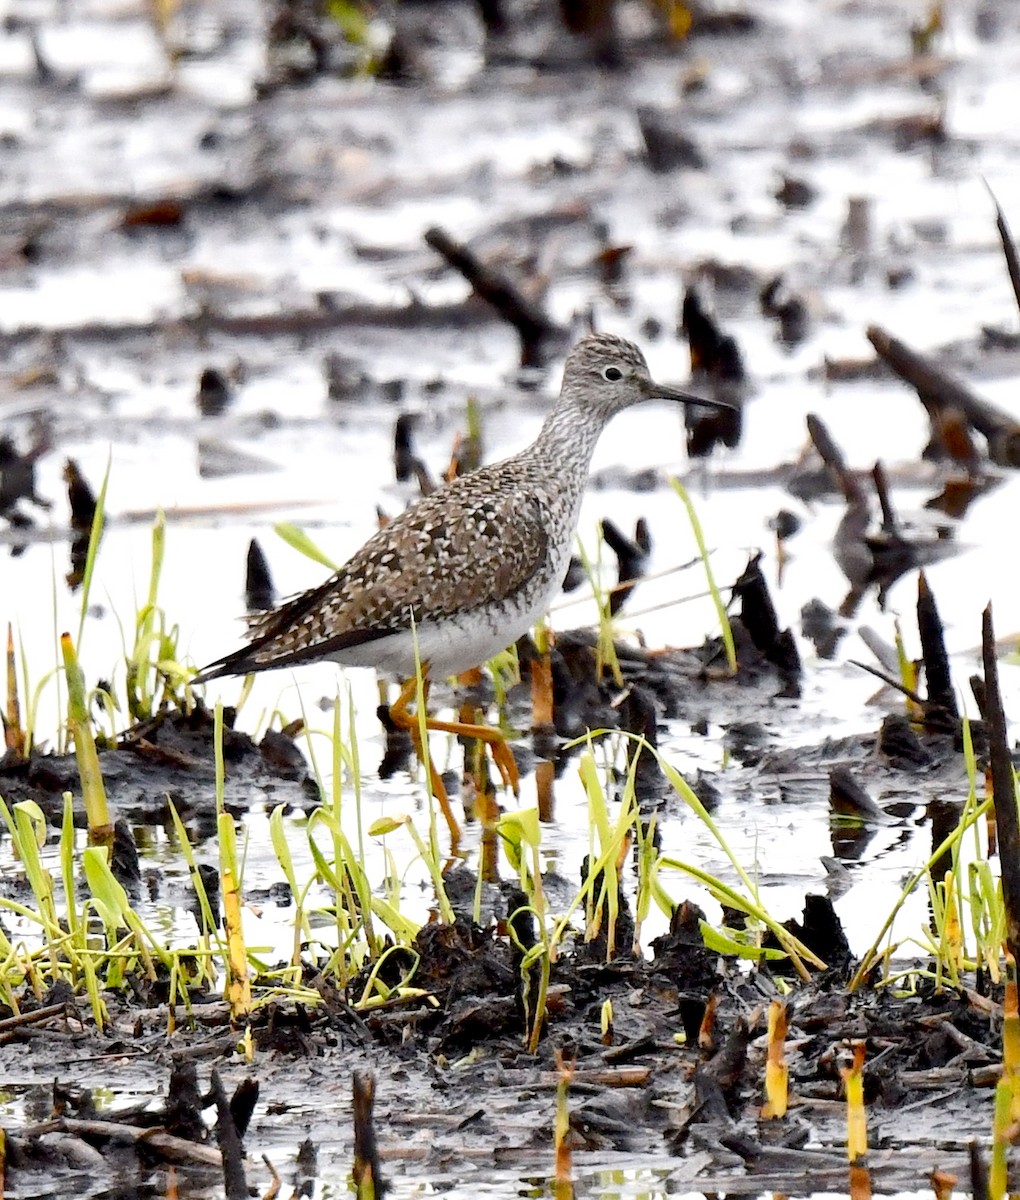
(474, 563)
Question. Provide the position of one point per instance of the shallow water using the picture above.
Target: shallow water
(380, 168)
(355, 172)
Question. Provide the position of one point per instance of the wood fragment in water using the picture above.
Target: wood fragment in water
(259, 593)
(164, 1145)
(947, 400)
(235, 1185)
(631, 558)
(941, 695)
(533, 327)
(978, 1171)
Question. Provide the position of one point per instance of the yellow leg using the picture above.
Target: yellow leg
(409, 721)
(502, 755)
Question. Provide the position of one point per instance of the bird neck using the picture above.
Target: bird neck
(568, 437)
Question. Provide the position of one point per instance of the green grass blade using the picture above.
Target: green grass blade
(298, 540)
(717, 600)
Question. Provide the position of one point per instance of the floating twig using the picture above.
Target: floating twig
(533, 327)
(944, 396)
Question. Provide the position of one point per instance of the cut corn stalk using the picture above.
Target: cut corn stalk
(856, 1125)
(776, 1070)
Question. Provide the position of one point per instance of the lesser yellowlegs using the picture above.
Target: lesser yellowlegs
(470, 568)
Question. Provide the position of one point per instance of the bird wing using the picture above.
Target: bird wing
(462, 547)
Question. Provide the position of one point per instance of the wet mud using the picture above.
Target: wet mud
(235, 241)
(458, 1097)
(675, 1078)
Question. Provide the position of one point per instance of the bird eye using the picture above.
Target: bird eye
(612, 374)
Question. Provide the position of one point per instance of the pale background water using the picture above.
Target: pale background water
(371, 167)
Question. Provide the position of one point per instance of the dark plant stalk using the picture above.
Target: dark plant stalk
(1003, 786)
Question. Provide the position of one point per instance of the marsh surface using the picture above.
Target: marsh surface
(172, 205)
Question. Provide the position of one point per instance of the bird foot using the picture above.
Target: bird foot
(401, 717)
(502, 755)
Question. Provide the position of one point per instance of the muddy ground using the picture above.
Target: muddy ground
(216, 266)
(672, 1093)
(459, 1103)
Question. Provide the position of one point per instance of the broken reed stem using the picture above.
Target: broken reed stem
(542, 714)
(856, 1125)
(14, 736)
(561, 1134)
(545, 778)
(238, 982)
(541, 680)
(1002, 1131)
(933, 649)
(368, 1182)
(533, 327)
(991, 831)
(942, 393)
(487, 811)
(1009, 251)
(606, 1022)
(1003, 786)
(1011, 1040)
(235, 1185)
(274, 1177)
(978, 1171)
(942, 1184)
(706, 1031)
(776, 1070)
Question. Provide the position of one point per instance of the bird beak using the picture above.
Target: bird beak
(662, 391)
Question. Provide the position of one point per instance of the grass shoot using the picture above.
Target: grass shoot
(717, 600)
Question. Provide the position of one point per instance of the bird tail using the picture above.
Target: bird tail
(238, 663)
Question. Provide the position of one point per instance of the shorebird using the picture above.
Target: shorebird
(467, 570)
